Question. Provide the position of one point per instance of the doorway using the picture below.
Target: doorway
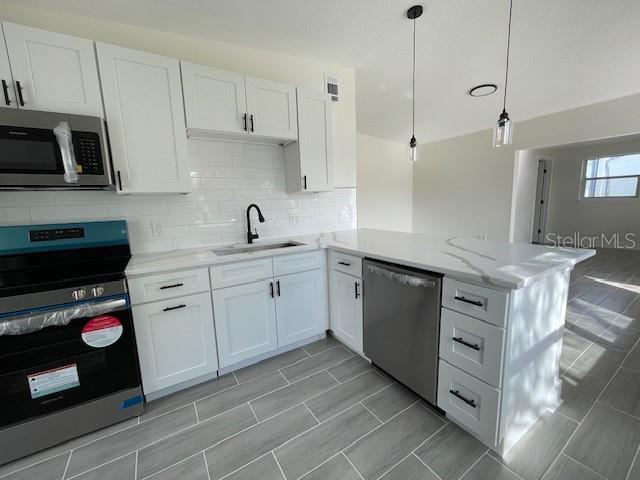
(542, 201)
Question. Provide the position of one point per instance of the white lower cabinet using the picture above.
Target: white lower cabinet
(346, 309)
(176, 341)
(245, 318)
(301, 304)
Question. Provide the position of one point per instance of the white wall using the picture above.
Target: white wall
(260, 63)
(569, 215)
(384, 184)
(463, 186)
(226, 178)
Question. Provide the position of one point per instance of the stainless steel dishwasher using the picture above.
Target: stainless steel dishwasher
(402, 324)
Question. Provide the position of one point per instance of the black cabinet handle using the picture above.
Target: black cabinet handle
(346, 264)
(175, 285)
(456, 393)
(271, 288)
(251, 120)
(477, 303)
(304, 179)
(5, 89)
(19, 89)
(244, 121)
(466, 344)
(119, 180)
(168, 309)
(278, 287)
(357, 289)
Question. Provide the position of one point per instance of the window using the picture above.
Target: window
(612, 177)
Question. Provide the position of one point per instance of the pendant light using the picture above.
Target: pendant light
(503, 129)
(413, 13)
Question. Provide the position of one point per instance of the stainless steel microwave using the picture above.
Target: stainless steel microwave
(43, 150)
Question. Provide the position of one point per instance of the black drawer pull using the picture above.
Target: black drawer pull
(168, 309)
(244, 121)
(304, 179)
(5, 89)
(357, 290)
(278, 287)
(271, 288)
(477, 303)
(346, 264)
(466, 344)
(251, 120)
(175, 285)
(456, 393)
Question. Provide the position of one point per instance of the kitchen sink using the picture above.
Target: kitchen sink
(253, 248)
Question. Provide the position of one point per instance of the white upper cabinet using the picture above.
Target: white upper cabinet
(144, 112)
(6, 80)
(309, 161)
(214, 99)
(271, 109)
(51, 71)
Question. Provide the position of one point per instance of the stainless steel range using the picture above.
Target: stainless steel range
(68, 359)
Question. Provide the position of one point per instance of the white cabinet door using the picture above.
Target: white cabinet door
(301, 301)
(176, 341)
(309, 161)
(53, 72)
(245, 319)
(346, 309)
(214, 99)
(6, 80)
(144, 111)
(272, 109)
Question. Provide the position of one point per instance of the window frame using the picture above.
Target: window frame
(584, 179)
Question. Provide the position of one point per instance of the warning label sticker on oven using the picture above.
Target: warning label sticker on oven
(102, 331)
(52, 381)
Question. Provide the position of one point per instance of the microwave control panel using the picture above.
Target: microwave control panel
(88, 153)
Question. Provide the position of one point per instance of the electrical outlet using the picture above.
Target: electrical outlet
(294, 220)
(158, 229)
(345, 215)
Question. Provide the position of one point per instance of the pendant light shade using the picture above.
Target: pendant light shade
(503, 129)
(413, 13)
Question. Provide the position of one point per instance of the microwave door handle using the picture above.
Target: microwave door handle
(63, 134)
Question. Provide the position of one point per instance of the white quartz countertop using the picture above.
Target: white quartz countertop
(504, 265)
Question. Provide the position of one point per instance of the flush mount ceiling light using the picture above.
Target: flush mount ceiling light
(483, 90)
(503, 129)
(412, 14)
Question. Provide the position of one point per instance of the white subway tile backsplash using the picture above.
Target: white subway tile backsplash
(226, 178)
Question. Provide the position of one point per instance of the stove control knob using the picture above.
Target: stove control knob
(79, 294)
(97, 291)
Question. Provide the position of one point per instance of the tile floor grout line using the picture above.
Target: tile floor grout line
(428, 467)
(195, 409)
(473, 464)
(352, 465)
(285, 378)
(567, 417)
(635, 458)
(595, 402)
(369, 410)
(618, 410)
(313, 414)
(319, 465)
(331, 375)
(206, 465)
(411, 452)
(66, 467)
(278, 463)
(135, 469)
(254, 412)
(101, 465)
(575, 461)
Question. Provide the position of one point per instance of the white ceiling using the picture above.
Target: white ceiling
(565, 53)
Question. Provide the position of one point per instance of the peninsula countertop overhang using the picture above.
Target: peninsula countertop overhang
(499, 264)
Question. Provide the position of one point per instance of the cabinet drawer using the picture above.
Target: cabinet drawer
(298, 262)
(472, 403)
(343, 262)
(480, 302)
(168, 285)
(474, 346)
(241, 272)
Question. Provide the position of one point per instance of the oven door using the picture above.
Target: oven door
(53, 359)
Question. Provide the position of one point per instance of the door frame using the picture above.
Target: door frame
(541, 205)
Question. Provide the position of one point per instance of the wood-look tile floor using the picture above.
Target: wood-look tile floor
(321, 412)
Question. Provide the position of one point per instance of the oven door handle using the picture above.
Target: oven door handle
(23, 324)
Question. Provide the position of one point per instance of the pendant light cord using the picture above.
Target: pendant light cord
(506, 72)
(413, 92)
